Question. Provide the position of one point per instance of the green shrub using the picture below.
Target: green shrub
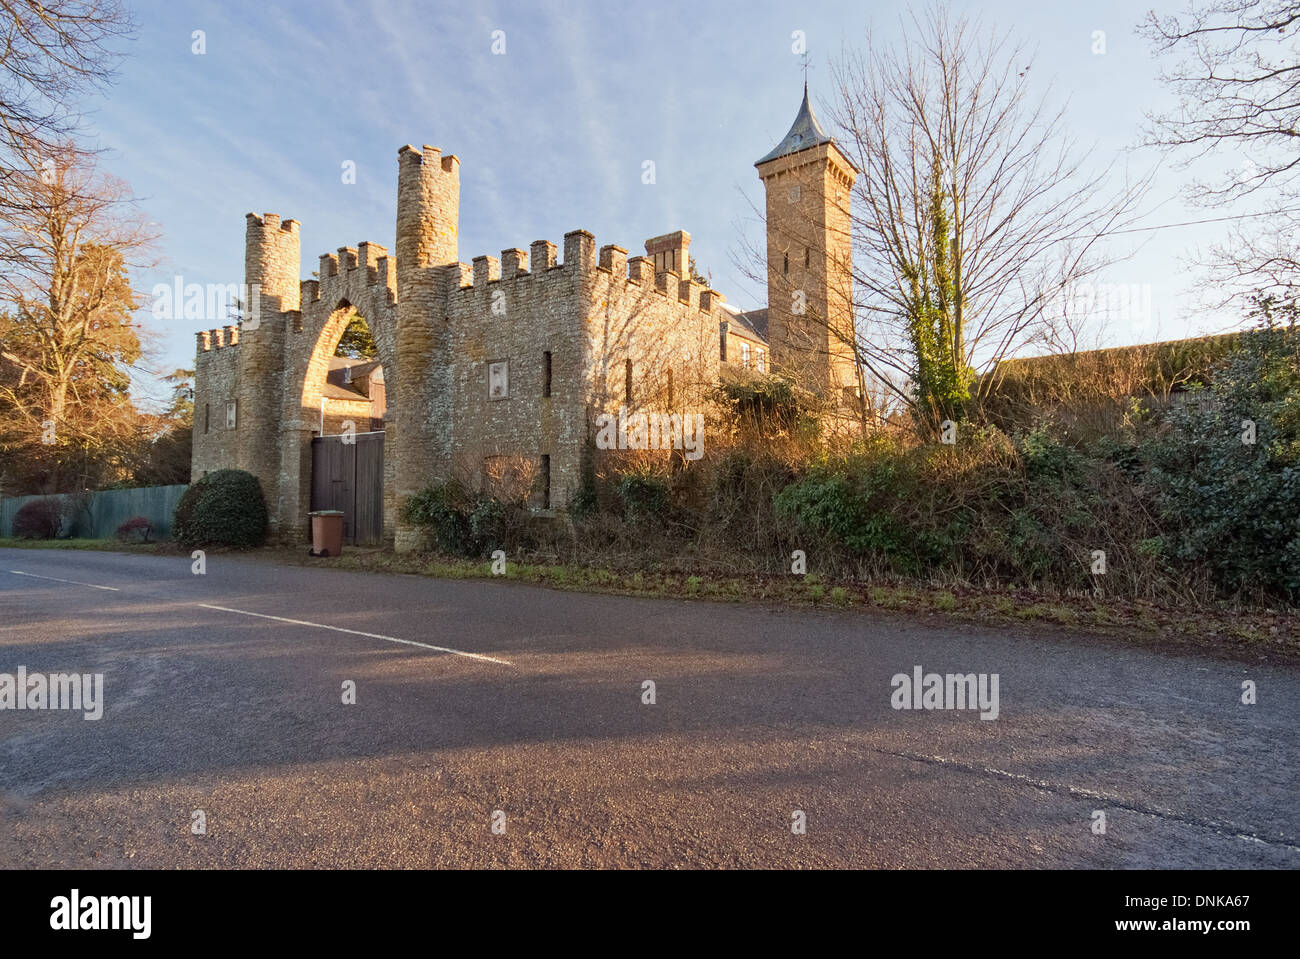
(224, 508)
(861, 505)
(443, 511)
(644, 495)
(990, 508)
(764, 401)
(39, 519)
(585, 499)
(1227, 505)
(490, 524)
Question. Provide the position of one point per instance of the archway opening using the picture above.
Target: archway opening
(354, 395)
(344, 414)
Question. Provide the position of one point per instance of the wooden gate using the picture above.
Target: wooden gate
(350, 477)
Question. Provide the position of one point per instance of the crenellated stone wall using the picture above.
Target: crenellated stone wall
(440, 325)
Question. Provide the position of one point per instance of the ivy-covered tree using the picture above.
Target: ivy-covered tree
(941, 377)
(943, 123)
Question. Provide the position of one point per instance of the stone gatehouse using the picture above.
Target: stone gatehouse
(511, 359)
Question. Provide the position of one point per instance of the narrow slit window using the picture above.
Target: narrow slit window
(546, 480)
(785, 262)
(546, 373)
(807, 257)
(670, 386)
(627, 373)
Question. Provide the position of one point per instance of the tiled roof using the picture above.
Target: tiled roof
(336, 389)
(804, 133)
(752, 325)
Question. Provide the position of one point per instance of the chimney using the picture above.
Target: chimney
(670, 253)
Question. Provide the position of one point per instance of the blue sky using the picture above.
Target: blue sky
(552, 135)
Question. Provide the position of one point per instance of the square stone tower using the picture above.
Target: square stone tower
(809, 257)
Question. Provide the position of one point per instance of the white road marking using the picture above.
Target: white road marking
(71, 582)
(1221, 827)
(357, 632)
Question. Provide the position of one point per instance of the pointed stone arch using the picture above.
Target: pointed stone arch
(348, 285)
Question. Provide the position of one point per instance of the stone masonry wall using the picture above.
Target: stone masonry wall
(515, 316)
(592, 316)
(666, 326)
(439, 325)
(360, 279)
(216, 383)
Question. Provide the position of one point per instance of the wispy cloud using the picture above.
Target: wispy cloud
(551, 135)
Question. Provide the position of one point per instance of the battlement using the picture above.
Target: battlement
(223, 337)
(271, 221)
(516, 264)
(335, 279)
(580, 256)
(430, 159)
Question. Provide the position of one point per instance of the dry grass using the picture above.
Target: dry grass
(1223, 628)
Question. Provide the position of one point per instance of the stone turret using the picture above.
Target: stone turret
(428, 215)
(271, 267)
(808, 181)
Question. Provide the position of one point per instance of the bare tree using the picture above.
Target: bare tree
(51, 54)
(973, 213)
(1237, 78)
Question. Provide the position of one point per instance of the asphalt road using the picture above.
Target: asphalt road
(758, 713)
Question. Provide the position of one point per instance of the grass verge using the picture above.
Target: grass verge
(1224, 627)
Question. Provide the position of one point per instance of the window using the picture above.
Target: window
(744, 355)
(807, 257)
(785, 263)
(207, 417)
(794, 194)
(231, 415)
(758, 360)
(499, 380)
(722, 343)
(546, 373)
(546, 479)
(670, 386)
(628, 377)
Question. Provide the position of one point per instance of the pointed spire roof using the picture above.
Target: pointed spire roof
(804, 133)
